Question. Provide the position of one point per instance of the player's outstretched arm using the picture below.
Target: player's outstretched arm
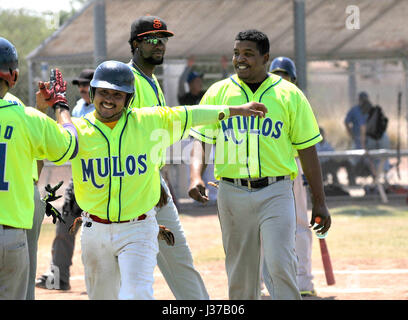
(249, 109)
(53, 94)
(208, 114)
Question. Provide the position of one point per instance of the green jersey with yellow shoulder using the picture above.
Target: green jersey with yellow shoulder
(26, 134)
(254, 147)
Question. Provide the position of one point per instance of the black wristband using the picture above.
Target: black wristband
(60, 105)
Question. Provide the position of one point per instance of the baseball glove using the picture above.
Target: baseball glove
(166, 235)
(75, 226)
(49, 197)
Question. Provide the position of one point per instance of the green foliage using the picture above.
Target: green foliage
(65, 15)
(366, 232)
(26, 31)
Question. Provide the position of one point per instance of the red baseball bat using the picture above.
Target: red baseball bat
(328, 269)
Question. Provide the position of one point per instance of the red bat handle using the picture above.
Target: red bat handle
(328, 270)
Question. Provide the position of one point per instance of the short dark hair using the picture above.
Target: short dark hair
(260, 38)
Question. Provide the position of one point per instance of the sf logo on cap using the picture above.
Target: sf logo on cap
(157, 23)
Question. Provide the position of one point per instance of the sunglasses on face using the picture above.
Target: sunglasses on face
(155, 40)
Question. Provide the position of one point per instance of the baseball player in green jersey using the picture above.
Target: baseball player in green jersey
(39, 208)
(117, 180)
(25, 135)
(148, 38)
(255, 163)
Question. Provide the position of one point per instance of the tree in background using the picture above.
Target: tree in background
(27, 30)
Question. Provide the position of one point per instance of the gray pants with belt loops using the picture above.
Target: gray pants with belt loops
(249, 218)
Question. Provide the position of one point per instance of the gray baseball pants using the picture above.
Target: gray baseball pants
(304, 238)
(14, 264)
(176, 263)
(32, 240)
(249, 218)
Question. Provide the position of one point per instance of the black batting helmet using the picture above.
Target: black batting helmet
(114, 75)
(284, 64)
(8, 62)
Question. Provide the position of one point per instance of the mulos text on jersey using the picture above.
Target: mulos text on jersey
(102, 167)
(268, 128)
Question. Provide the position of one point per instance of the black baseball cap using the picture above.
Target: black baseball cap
(146, 25)
(85, 76)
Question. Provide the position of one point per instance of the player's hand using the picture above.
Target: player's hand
(197, 191)
(249, 109)
(41, 103)
(320, 217)
(51, 211)
(50, 196)
(164, 198)
(55, 91)
(166, 235)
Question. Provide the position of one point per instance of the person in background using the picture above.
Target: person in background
(331, 166)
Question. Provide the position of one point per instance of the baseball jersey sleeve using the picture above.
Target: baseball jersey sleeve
(207, 133)
(49, 140)
(304, 130)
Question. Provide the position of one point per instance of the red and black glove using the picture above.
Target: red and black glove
(56, 93)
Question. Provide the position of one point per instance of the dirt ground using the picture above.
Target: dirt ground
(356, 279)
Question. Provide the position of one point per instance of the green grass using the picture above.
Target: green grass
(369, 232)
(357, 232)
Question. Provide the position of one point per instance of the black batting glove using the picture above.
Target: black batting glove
(51, 211)
(51, 192)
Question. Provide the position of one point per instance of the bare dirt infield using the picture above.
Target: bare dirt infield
(356, 278)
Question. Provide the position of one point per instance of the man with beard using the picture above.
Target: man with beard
(148, 39)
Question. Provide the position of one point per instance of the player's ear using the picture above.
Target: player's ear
(135, 45)
(266, 58)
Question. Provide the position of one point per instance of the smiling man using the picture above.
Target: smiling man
(148, 40)
(255, 163)
(117, 181)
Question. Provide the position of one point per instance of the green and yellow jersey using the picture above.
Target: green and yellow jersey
(26, 134)
(10, 97)
(254, 147)
(148, 92)
(116, 172)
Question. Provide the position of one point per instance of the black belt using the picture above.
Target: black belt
(9, 227)
(256, 184)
